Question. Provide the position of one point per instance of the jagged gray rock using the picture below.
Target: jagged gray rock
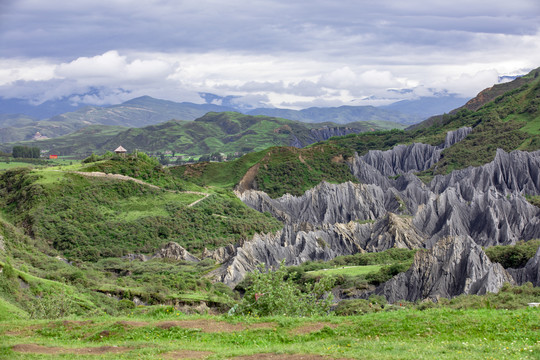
(174, 251)
(518, 171)
(321, 134)
(2, 246)
(324, 243)
(454, 266)
(489, 218)
(325, 204)
(529, 273)
(394, 231)
(483, 204)
(403, 158)
(453, 137)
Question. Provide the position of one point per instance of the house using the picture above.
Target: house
(120, 150)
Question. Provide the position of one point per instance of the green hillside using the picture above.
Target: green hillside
(226, 132)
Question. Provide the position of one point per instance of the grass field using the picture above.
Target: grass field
(165, 333)
(14, 164)
(347, 270)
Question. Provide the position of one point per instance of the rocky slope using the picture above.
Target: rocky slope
(454, 266)
(391, 207)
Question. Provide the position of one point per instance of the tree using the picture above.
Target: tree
(26, 152)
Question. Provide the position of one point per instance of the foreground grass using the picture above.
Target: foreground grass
(402, 334)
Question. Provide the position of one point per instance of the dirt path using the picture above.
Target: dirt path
(138, 181)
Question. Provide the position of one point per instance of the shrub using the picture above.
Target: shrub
(513, 256)
(273, 293)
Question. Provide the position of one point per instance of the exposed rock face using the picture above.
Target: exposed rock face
(454, 266)
(2, 247)
(325, 204)
(324, 243)
(518, 171)
(453, 137)
(170, 250)
(393, 231)
(321, 134)
(174, 251)
(482, 205)
(529, 273)
(404, 158)
(492, 214)
(489, 218)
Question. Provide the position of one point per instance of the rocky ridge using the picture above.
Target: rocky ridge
(391, 207)
(454, 266)
(529, 273)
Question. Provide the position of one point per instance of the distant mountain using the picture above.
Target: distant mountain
(138, 112)
(39, 112)
(425, 107)
(226, 132)
(339, 115)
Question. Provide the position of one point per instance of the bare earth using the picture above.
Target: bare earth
(38, 349)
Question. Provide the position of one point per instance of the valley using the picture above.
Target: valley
(429, 236)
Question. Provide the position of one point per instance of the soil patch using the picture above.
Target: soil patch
(312, 327)
(207, 326)
(132, 324)
(39, 349)
(210, 326)
(26, 331)
(283, 357)
(187, 354)
(246, 183)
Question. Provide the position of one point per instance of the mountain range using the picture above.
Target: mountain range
(20, 121)
(223, 132)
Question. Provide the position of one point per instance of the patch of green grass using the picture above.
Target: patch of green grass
(347, 270)
(9, 311)
(14, 164)
(403, 334)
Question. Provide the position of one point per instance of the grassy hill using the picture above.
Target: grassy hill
(139, 112)
(225, 132)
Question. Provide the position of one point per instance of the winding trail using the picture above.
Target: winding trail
(138, 181)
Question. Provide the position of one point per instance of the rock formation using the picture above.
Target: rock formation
(174, 251)
(321, 134)
(454, 266)
(391, 207)
(529, 273)
(170, 250)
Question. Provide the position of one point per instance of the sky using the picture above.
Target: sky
(266, 53)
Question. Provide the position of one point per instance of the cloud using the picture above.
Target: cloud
(270, 52)
(111, 65)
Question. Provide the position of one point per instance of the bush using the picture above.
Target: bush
(387, 272)
(513, 256)
(273, 293)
